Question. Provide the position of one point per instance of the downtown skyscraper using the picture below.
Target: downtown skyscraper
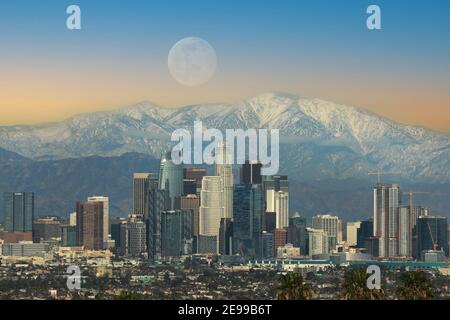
(19, 215)
(224, 170)
(171, 178)
(386, 201)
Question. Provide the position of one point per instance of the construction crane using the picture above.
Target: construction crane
(435, 245)
(411, 216)
(379, 173)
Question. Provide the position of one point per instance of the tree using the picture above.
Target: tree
(355, 286)
(292, 287)
(415, 285)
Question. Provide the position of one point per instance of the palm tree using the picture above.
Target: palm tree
(292, 287)
(355, 286)
(415, 285)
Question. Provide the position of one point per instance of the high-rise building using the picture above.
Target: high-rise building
(297, 234)
(189, 186)
(176, 233)
(141, 183)
(267, 244)
(46, 228)
(406, 238)
(226, 236)
(116, 232)
(352, 232)
(211, 210)
(432, 234)
(158, 201)
(68, 236)
(105, 201)
(278, 202)
(330, 224)
(251, 172)
(270, 221)
(386, 201)
(248, 219)
(279, 239)
(224, 169)
(133, 237)
(73, 219)
(171, 178)
(318, 242)
(90, 219)
(196, 174)
(190, 202)
(19, 216)
(364, 231)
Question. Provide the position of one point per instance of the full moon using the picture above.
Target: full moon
(192, 61)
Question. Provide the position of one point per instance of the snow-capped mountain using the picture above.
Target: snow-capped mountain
(320, 139)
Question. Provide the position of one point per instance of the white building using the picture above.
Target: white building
(105, 201)
(211, 206)
(278, 202)
(352, 232)
(331, 225)
(73, 219)
(318, 241)
(224, 170)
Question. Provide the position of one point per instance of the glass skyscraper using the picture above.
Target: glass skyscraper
(18, 211)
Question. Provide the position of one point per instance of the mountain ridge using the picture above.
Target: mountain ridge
(318, 134)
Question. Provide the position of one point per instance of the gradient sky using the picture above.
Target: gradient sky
(311, 48)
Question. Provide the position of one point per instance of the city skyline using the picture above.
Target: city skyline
(314, 49)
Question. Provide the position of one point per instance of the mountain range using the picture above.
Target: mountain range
(320, 141)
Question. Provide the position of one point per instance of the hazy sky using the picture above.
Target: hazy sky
(310, 48)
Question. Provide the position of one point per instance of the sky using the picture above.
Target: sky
(312, 48)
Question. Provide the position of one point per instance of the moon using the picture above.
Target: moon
(192, 61)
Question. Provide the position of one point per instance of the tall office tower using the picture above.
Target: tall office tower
(133, 237)
(46, 228)
(158, 201)
(330, 224)
(73, 219)
(176, 233)
(211, 211)
(224, 169)
(90, 219)
(105, 201)
(432, 234)
(196, 174)
(251, 172)
(364, 231)
(386, 200)
(141, 183)
(190, 202)
(318, 241)
(226, 236)
(189, 186)
(406, 237)
(297, 232)
(115, 231)
(267, 244)
(248, 217)
(171, 178)
(279, 239)
(68, 236)
(352, 232)
(278, 202)
(19, 215)
(270, 221)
